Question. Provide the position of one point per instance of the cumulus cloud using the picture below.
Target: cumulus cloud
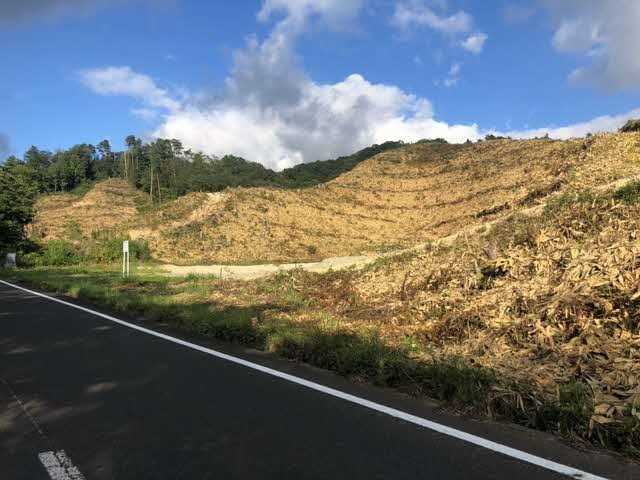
(417, 13)
(325, 120)
(124, 81)
(474, 43)
(605, 123)
(272, 112)
(298, 12)
(606, 33)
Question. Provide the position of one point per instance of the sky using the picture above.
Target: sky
(288, 81)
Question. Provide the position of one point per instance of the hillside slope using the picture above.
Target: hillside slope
(551, 303)
(396, 199)
(108, 205)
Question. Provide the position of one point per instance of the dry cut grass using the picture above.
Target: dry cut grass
(550, 304)
(396, 199)
(107, 206)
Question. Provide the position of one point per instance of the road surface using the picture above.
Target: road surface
(85, 397)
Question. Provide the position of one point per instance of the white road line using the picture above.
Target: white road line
(443, 429)
(59, 467)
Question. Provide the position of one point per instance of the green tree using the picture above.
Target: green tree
(106, 166)
(163, 158)
(39, 161)
(18, 193)
(72, 167)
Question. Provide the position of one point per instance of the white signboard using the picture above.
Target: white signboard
(10, 261)
(125, 246)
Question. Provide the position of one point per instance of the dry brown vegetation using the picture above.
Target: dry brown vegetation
(550, 303)
(108, 205)
(397, 199)
(544, 302)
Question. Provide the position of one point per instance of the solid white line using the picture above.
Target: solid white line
(59, 467)
(443, 429)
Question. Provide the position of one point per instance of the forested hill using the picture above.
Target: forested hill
(166, 170)
(314, 173)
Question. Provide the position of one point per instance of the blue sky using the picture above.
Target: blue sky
(285, 81)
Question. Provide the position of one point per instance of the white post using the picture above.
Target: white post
(125, 258)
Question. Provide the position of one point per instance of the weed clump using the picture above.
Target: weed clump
(57, 253)
(629, 194)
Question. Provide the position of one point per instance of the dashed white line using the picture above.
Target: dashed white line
(407, 417)
(59, 467)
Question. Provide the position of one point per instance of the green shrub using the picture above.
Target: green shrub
(56, 253)
(140, 250)
(105, 251)
(630, 193)
(60, 253)
(109, 250)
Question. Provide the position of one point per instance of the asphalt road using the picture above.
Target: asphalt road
(124, 404)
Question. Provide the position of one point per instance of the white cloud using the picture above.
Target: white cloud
(335, 13)
(606, 33)
(272, 112)
(325, 120)
(605, 123)
(124, 81)
(474, 43)
(417, 13)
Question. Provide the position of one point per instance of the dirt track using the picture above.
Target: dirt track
(250, 272)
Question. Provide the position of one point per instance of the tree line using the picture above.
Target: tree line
(163, 168)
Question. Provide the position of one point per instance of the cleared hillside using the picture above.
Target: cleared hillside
(107, 206)
(396, 199)
(550, 303)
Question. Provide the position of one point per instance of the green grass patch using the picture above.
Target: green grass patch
(629, 194)
(566, 199)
